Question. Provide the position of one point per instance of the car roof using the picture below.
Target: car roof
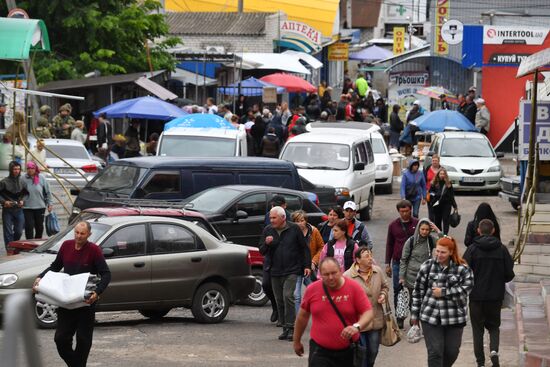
(462, 134)
(206, 131)
(113, 221)
(222, 162)
(143, 211)
(250, 188)
(62, 142)
(346, 137)
(365, 126)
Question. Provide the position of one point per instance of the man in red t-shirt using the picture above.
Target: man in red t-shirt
(330, 339)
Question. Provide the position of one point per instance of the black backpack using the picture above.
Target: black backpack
(410, 243)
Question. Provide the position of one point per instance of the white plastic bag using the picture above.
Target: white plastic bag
(414, 334)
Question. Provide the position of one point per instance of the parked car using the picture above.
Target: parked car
(511, 190)
(325, 196)
(469, 158)
(239, 211)
(156, 264)
(340, 158)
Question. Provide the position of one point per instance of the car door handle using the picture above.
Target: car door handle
(196, 259)
(139, 265)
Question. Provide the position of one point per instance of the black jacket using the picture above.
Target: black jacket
(348, 252)
(471, 232)
(445, 195)
(271, 145)
(396, 124)
(12, 188)
(288, 253)
(470, 111)
(492, 266)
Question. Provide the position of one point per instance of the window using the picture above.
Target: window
(170, 238)
(267, 179)
(118, 178)
(370, 154)
(127, 241)
(360, 154)
(253, 204)
(67, 152)
(163, 182)
(206, 180)
(293, 202)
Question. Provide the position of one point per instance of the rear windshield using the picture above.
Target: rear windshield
(118, 178)
(197, 146)
(67, 152)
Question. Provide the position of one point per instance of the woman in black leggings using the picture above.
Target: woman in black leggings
(442, 198)
(36, 201)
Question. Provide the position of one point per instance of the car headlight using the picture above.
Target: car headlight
(7, 279)
(494, 169)
(342, 191)
(450, 169)
(382, 167)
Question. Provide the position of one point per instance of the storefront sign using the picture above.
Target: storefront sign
(403, 90)
(542, 129)
(398, 40)
(442, 13)
(503, 35)
(269, 95)
(300, 36)
(338, 52)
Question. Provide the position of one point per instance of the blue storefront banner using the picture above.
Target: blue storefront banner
(542, 129)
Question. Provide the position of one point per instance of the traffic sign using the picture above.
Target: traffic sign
(452, 32)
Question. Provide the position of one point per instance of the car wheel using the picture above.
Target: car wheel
(366, 213)
(45, 315)
(155, 314)
(257, 297)
(210, 303)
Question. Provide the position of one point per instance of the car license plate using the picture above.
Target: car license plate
(64, 171)
(472, 179)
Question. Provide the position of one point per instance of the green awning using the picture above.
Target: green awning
(19, 36)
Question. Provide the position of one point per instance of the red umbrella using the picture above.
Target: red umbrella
(290, 82)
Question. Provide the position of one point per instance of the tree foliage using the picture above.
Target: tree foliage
(104, 35)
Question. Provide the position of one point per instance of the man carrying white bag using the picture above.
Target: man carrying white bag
(67, 291)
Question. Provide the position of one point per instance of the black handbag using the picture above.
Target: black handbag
(359, 351)
(454, 219)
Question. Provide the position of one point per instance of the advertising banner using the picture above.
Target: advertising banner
(442, 13)
(403, 88)
(542, 129)
(338, 52)
(398, 40)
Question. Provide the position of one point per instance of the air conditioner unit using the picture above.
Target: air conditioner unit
(215, 49)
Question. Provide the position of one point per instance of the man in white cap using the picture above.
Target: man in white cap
(415, 111)
(483, 116)
(357, 230)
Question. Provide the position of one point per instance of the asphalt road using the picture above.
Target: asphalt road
(246, 337)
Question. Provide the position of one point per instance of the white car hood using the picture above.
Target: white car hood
(460, 163)
(334, 178)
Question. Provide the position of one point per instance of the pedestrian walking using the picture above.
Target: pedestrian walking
(104, 133)
(35, 202)
(315, 243)
(399, 231)
(357, 230)
(470, 109)
(330, 340)
(38, 154)
(429, 175)
(375, 285)
(493, 267)
(271, 144)
(341, 246)
(289, 257)
(396, 126)
(416, 250)
(483, 117)
(78, 256)
(78, 132)
(439, 302)
(12, 191)
(325, 228)
(442, 197)
(483, 211)
(413, 186)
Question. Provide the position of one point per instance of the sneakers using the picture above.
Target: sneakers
(284, 335)
(290, 335)
(494, 358)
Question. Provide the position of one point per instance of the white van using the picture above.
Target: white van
(339, 158)
(202, 142)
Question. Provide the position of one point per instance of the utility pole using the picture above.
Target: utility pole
(240, 6)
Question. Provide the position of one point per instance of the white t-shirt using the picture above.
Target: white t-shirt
(213, 109)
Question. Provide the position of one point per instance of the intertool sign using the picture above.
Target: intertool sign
(542, 129)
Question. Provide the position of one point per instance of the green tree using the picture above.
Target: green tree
(104, 35)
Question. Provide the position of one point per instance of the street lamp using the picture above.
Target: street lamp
(411, 31)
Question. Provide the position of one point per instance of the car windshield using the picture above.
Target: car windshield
(378, 146)
(118, 178)
(325, 156)
(197, 146)
(466, 147)
(211, 200)
(67, 152)
(53, 244)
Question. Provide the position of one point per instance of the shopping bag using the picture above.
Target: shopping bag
(390, 334)
(414, 334)
(52, 224)
(403, 299)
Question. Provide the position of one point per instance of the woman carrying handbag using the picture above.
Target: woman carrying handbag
(373, 281)
(442, 197)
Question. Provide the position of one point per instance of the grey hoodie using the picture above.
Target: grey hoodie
(411, 262)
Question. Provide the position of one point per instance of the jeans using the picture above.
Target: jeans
(416, 207)
(395, 280)
(443, 344)
(371, 340)
(485, 315)
(34, 223)
(79, 321)
(13, 222)
(321, 357)
(298, 292)
(283, 289)
(268, 289)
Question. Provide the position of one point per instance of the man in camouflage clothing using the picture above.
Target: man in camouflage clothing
(43, 129)
(63, 123)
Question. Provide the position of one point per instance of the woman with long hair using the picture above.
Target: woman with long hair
(334, 214)
(36, 201)
(483, 211)
(442, 197)
(375, 284)
(439, 302)
(341, 246)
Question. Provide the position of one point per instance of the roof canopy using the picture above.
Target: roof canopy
(19, 36)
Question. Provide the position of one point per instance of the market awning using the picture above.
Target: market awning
(187, 77)
(157, 89)
(284, 62)
(404, 55)
(305, 57)
(19, 36)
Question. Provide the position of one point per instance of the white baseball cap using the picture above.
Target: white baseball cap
(417, 102)
(350, 205)
(480, 100)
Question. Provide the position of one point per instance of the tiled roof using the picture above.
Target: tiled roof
(198, 23)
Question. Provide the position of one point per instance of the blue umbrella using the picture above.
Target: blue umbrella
(442, 120)
(371, 53)
(249, 87)
(142, 108)
(200, 120)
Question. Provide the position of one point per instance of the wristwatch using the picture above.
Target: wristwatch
(357, 325)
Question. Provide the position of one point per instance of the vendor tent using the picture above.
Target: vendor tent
(142, 108)
(291, 83)
(249, 87)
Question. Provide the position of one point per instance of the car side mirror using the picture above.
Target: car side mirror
(431, 153)
(74, 191)
(500, 155)
(241, 214)
(359, 166)
(108, 252)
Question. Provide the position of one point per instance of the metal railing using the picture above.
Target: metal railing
(19, 328)
(524, 218)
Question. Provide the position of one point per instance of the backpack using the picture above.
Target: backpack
(410, 243)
